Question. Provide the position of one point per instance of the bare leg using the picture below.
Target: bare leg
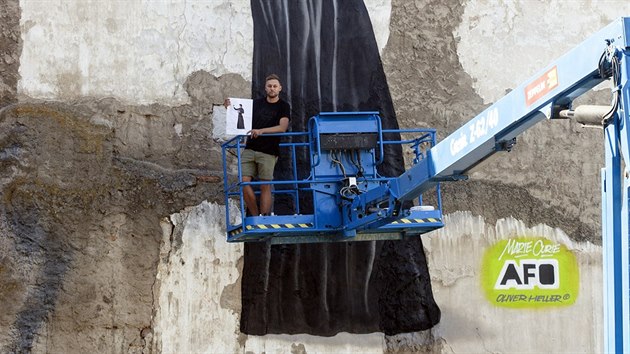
(265, 198)
(250, 197)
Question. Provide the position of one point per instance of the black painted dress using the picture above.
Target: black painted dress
(327, 58)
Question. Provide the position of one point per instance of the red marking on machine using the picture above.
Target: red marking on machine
(541, 86)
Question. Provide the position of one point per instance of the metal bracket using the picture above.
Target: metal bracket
(453, 177)
(505, 145)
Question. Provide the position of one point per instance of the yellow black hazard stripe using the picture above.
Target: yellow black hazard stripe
(271, 227)
(236, 231)
(279, 226)
(415, 221)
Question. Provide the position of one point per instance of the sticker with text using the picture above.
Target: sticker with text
(541, 86)
(478, 130)
(530, 272)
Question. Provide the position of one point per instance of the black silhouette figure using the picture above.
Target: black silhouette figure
(240, 124)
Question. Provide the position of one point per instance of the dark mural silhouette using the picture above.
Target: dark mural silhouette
(328, 60)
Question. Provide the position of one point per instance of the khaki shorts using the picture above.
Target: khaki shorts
(257, 164)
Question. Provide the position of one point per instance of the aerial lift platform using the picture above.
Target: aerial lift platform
(345, 150)
(353, 202)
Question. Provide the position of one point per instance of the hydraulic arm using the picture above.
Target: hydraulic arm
(549, 94)
(351, 201)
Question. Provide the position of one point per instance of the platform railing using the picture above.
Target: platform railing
(425, 139)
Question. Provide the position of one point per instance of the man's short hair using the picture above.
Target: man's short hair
(273, 77)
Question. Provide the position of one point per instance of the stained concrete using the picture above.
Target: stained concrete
(197, 270)
(198, 275)
(434, 89)
(473, 324)
(104, 49)
(509, 33)
(10, 50)
(84, 187)
(65, 163)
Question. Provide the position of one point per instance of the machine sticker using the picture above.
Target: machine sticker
(541, 86)
(477, 129)
(530, 273)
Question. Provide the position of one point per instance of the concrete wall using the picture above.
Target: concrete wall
(473, 323)
(198, 301)
(197, 309)
(138, 51)
(523, 37)
(149, 71)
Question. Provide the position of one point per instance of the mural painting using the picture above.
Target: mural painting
(327, 58)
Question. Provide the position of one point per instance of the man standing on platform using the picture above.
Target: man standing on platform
(271, 114)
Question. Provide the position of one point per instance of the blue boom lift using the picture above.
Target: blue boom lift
(345, 150)
(353, 202)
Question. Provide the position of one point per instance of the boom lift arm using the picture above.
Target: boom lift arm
(355, 203)
(548, 95)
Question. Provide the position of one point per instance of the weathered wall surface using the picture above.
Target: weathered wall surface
(105, 49)
(509, 34)
(138, 52)
(198, 284)
(105, 247)
(83, 192)
(472, 323)
(451, 50)
(84, 187)
(198, 295)
(10, 49)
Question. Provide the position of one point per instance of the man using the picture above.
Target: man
(270, 115)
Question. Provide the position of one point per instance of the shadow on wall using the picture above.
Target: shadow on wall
(327, 57)
(54, 261)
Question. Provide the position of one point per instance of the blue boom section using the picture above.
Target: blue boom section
(495, 128)
(554, 86)
(615, 200)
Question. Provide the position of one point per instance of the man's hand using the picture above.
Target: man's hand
(226, 103)
(255, 132)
